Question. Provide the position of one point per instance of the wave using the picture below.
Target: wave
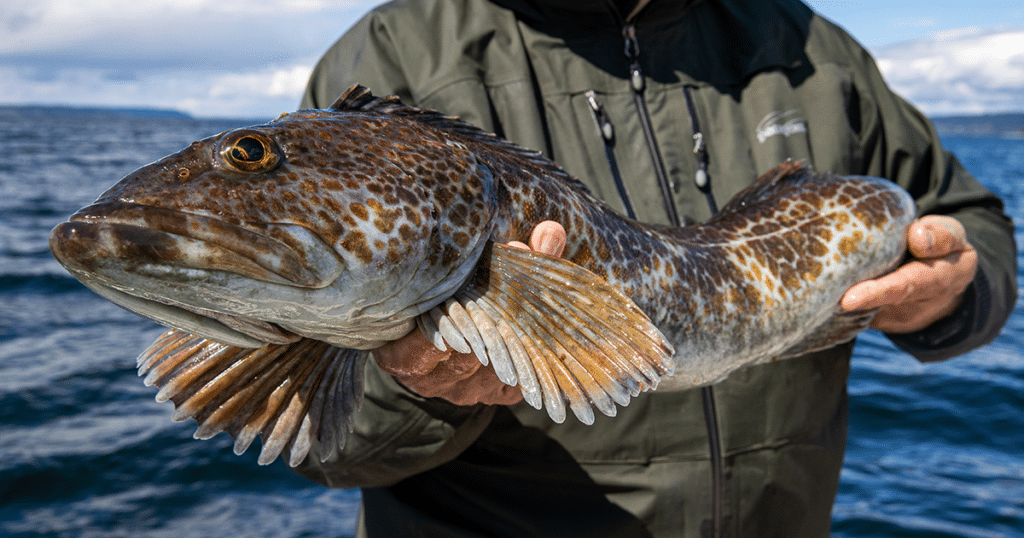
(41, 284)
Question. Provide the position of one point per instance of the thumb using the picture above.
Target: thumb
(549, 238)
(935, 236)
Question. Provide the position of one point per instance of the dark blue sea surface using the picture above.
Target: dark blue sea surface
(85, 451)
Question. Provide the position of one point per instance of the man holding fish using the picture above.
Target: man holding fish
(660, 107)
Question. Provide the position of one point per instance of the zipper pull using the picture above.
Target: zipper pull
(636, 81)
(700, 152)
(632, 50)
(701, 177)
(604, 125)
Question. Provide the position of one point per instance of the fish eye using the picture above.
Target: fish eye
(249, 151)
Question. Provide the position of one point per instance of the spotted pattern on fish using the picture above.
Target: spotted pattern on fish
(726, 287)
(349, 226)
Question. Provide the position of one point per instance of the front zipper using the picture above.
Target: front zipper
(702, 180)
(637, 83)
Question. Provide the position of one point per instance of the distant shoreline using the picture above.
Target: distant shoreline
(142, 112)
(130, 112)
(1003, 125)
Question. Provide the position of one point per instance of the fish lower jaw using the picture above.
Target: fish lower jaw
(268, 333)
(215, 326)
(353, 343)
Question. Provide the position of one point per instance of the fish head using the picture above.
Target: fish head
(340, 226)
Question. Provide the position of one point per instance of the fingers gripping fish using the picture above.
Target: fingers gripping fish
(284, 253)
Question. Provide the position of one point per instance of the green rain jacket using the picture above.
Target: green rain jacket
(769, 81)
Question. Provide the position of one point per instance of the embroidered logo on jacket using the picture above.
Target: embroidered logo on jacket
(780, 123)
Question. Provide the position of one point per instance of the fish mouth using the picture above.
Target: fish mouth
(108, 243)
(140, 235)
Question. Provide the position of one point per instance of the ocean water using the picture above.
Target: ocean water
(85, 451)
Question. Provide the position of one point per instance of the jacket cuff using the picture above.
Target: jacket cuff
(951, 336)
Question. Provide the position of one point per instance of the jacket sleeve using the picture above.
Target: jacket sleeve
(397, 433)
(904, 146)
(365, 54)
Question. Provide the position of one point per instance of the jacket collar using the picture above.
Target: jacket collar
(613, 12)
(726, 41)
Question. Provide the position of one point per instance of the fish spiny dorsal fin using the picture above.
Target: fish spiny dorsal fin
(358, 98)
(769, 181)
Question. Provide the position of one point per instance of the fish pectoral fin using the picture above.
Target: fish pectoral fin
(288, 394)
(557, 331)
(839, 329)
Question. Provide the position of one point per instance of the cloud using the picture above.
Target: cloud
(246, 58)
(268, 83)
(966, 70)
(176, 34)
(916, 22)
(260, 93)
(238, 58)
(270, 91)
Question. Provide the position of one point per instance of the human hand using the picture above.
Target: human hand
(925, 289)
(459, 377)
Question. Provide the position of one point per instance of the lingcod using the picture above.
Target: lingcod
(281, 255)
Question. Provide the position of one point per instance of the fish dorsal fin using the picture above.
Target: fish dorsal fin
(359, 98)
(769, 181)
(288, 394)
(557, 331)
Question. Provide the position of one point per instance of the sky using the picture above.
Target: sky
(251, 58)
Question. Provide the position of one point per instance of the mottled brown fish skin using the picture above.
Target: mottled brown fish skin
(394, 189)
(282, 253)
(773, 263)
(337, 172)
